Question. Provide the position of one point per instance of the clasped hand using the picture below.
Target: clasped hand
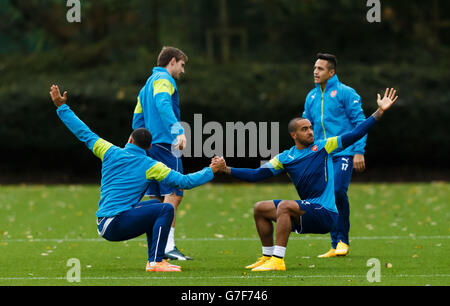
(218, 164)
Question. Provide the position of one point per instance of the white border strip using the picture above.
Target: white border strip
(60, 240)
(247, 277)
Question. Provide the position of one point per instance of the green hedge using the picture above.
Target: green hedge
(414, 133)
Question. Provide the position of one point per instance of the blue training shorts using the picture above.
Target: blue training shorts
(129, 223)
(162, 152)
(315, 220)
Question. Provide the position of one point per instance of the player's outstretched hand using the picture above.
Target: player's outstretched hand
(218, 164)
(389, 98)
(55, 94)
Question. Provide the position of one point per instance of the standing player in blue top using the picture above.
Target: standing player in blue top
(334, 108)
(310, 168)
(158, 110)
(126, 174)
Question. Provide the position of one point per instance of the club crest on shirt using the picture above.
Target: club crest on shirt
(333, 93)
(314, 148)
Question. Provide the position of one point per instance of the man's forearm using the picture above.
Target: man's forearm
(77, 126)
(358, 132)
(377, 114)
(249, 175)
(188, 181)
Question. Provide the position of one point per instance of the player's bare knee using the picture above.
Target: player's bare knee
(282, 207)
(261, 208)
(173, 199)
(286, 207)
(257, 208)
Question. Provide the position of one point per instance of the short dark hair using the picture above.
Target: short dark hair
(142, 138)
(332, 60)
(292, 126)
(167, 53)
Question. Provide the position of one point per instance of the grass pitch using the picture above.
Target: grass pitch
(405, 227)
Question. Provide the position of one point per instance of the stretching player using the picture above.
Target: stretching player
(309, 166)
(126, 174)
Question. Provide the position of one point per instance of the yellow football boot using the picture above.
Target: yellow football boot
(341, 249)
(330, 253)
(273, 264)
(259, 262)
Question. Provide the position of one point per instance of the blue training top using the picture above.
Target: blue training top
(126, 172)
(310, 169)
(158, 108)
(334, 111)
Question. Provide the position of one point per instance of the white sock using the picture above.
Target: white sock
(170, 240)
(279, 251)
(267, 251)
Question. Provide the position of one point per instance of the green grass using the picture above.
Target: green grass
(404, 225)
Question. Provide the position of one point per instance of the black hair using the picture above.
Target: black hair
(330, 58)
(142, 138)
(292, 126)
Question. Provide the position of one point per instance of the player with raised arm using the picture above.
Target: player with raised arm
(310, 169)
(126, 174)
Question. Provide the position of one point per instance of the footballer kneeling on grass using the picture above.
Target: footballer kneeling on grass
(126, 175)
(310, 168)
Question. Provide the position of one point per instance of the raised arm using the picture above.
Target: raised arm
(359, 131)
(96, 144)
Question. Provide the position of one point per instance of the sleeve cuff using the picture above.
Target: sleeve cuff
(177, 129)
(62, 107)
